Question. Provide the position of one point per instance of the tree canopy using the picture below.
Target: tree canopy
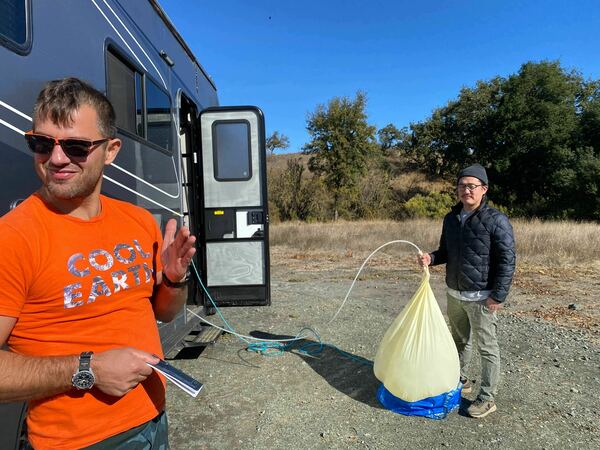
(536, 132)
(276, 141)
(341, 144)
(391, 138)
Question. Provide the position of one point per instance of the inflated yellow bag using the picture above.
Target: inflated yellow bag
(417, 357)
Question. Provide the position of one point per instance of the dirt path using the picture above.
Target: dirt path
(550, 387)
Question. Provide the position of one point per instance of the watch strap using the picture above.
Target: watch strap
(84, 378)
(84, 361)
(178, 284)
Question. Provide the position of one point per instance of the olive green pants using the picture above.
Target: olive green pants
(472, 323)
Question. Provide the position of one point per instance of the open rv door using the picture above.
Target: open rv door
(234, 221)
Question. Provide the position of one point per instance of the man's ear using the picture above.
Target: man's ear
(112, 149)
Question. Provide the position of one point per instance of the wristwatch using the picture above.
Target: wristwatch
(179, 284)
(84, 378)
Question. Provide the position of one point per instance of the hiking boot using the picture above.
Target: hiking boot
(481, 408)
(467, 385)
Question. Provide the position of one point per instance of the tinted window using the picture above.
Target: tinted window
(122, 93)
(231, 150)
(13, 21)
(142, 108)
(158, 106)
(139, 105)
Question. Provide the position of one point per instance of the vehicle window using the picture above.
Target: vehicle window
(123, 94)
(139, 105)
(231, 150)
(159, 116)
(13, 22)
(142, 108)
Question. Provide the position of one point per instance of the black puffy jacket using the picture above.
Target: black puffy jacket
(480, 254)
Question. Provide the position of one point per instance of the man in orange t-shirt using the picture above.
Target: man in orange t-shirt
(83, 280)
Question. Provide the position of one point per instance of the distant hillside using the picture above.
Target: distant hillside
(278, 163)
(408, 181)
(384, 190)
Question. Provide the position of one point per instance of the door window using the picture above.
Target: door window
(231, 150)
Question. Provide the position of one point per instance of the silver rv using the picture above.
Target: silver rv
(183, 155)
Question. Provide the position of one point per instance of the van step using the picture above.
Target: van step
(207, 336)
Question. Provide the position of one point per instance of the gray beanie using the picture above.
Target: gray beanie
(476, 170)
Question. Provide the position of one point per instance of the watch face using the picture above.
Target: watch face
(83, 380)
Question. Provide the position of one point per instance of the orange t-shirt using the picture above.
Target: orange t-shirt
(82, 285)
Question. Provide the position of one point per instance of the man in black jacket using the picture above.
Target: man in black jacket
(478, 248)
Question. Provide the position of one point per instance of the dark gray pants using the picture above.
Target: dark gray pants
(152, 435)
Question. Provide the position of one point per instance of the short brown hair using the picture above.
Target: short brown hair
(59, 99)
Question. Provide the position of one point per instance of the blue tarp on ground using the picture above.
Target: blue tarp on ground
(437, 407)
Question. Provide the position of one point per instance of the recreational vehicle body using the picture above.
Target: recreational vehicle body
(183, 155)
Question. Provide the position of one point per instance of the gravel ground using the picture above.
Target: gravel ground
(549, 396)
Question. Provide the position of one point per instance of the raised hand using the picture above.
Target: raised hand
(177, 251)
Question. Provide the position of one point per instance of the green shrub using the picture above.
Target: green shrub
(433, 206)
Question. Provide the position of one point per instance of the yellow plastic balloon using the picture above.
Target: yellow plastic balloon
(417, 358)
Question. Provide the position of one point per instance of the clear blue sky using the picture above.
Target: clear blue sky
(409, 57)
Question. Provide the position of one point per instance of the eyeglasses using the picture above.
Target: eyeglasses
(470, 187)
(73, 148)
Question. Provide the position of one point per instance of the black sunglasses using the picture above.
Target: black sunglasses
(73, 148)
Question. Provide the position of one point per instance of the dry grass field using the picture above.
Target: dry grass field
(554, 244)
(558, 263)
